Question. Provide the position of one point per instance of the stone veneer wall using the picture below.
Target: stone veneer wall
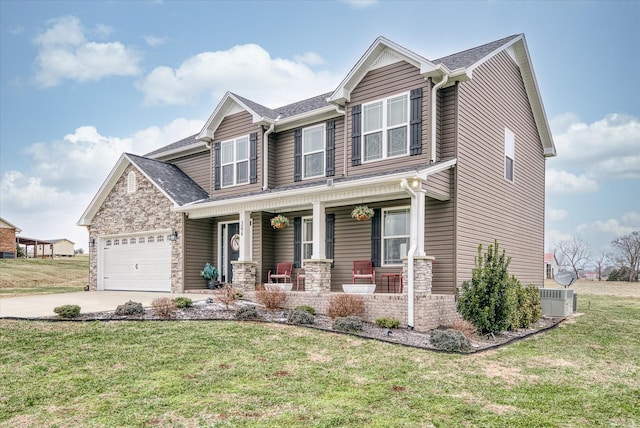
(431, 310)
(145, 210)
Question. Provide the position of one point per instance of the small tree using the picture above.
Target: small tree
(490, 300)
(575, 253)
(19, 251)
(628, 249)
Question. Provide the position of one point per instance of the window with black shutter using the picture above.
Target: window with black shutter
(216, 168)
(297, 242)
(297, 154)
(415, 131)
(253, 158)
(376, 235)
(331, 149)
(356, 133)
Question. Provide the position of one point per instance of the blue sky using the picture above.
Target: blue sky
(81, 82)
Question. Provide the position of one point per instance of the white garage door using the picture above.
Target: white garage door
(137, 263)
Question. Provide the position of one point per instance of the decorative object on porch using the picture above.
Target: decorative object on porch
(282, 286)
(362, 212)
(279, 222)
(359, 288)
(210, 274)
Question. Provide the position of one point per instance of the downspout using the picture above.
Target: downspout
(265, 157)
(434, 99)
(412, 250)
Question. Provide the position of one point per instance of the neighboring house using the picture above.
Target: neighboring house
(58, 248)
(8, 239)
(448, 153)
(550, 265)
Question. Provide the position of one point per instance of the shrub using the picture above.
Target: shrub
(130, 308)
(348, 324)
(246, 313)
(298, 316)
(490, 300)
(183, 302)
(227, 295)
(450, 340)
(163, 307)
(529, 307)
(67, 311)
(464, 327)
(271, 299)
(306, 308)
(345, 305)
(385, 322)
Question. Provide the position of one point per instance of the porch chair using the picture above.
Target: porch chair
(283, 272)
(301, 276)
(363, 269)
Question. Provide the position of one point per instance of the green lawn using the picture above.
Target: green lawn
(190, 374)
(21, 277)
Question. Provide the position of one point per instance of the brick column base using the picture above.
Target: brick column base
(318, 275)
(244, 275)
(422, 274)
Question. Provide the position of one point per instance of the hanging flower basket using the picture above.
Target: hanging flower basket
(362, 212)
(279, 222)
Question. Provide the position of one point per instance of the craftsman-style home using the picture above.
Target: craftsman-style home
(443, 155)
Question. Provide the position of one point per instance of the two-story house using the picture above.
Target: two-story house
(449, 154)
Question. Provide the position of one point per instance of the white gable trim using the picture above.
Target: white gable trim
(228, 105)
(107, 186)
(380, 53)
(4, 224)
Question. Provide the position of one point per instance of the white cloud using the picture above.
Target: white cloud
(558, 181)
(361, 4)
(310, 58)
(605, 149)
(46, 201)
(155, 41)
(557, 214)
(629, 222)
(248, 70)
(553, 237)
(65, 53)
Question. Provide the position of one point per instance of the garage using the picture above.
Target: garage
(140, 262)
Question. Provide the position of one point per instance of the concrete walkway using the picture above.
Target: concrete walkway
(89, 301)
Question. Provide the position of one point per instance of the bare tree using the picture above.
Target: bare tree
(575, 253)
(599, 263)
(628, 253)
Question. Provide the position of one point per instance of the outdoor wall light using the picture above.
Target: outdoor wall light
(92, 242)
(174, 236)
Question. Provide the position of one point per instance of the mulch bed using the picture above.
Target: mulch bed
(212, 310)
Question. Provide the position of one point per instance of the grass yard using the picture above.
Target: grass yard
(23, 277)
(190, 374)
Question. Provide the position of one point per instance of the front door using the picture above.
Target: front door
(230, 249)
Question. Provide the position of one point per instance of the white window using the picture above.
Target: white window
(385, 128)
(131, 182)
(234, 161)
(160, 238)
(108, 242)
(150, 240)
(509, 154)
(124, 241)
(307, 238)
(132, 241)
(116, 242)
(313, 151)
(141, 240)
(395, 235)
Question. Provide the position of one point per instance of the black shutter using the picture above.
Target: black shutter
(297, 154)
(253, 158)
(330, 164)
(415, 129)
(216, 168)
(355, 134)
(297, 242)
(376, 237)
(330, 236)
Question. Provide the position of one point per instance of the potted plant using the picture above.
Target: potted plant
(362, 212)
(210, 274)
(279, 222)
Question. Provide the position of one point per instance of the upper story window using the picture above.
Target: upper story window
(307, 238)
(131, 182)
(313, 145)
(509, 154)
(234, 161)
(385, 128)
(395, 235)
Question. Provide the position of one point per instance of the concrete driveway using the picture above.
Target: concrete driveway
(89, 301)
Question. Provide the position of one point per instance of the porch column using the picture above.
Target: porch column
(422, 273)
(319, 231)
(421, 213)
(318, 275)
(244, 275)
(245, 236)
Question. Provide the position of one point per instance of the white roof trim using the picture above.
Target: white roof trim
(198, 146)
(107, 186)
(11, 226)
(366, 190)
(223, 109)
(380, 47)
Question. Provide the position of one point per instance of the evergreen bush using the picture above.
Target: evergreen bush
(246, 313)
(298, 316)
(309, 309)
(348, 324)
(450, 340)
(67, 311)
(183, 302)
(130, 308)
(385, 322)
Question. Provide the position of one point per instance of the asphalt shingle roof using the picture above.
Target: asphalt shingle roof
(171, 179)
(182, 143)
(473, 55)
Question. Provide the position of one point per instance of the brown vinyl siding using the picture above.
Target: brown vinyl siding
(439, 242)
(488, 206)
(234, 126)
(266, 258)
(198, 250)
(380, 83)
(197, 167)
